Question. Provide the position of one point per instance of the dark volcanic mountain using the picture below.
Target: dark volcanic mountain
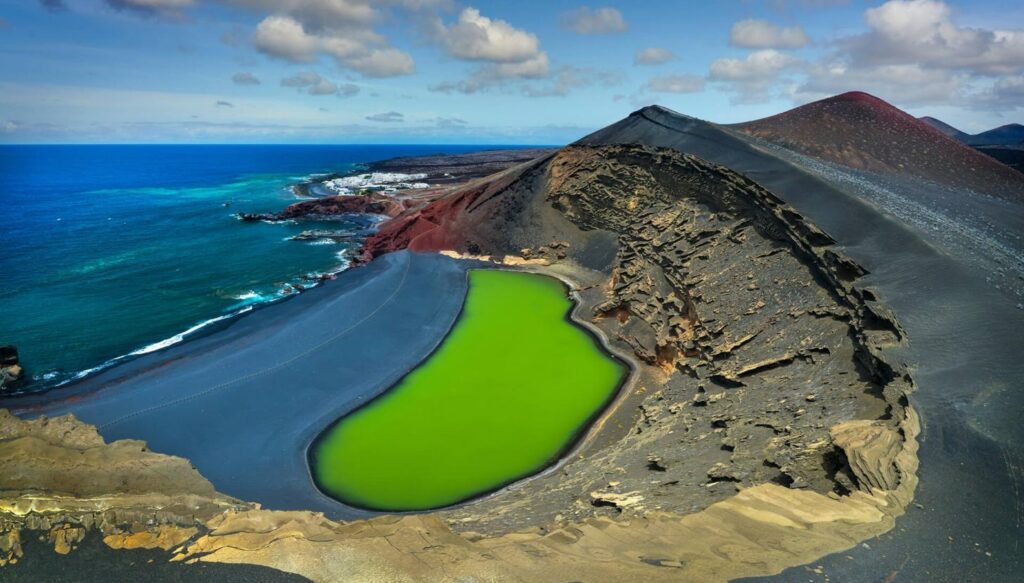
(1012, 157)
(1007, 135)
(1004, 143)
(863, 132)
(946, 129)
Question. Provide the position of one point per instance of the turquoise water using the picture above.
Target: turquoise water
(107, 251)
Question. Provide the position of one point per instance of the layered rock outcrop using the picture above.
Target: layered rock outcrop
(59, 476)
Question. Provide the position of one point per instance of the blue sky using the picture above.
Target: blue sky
(352, 71)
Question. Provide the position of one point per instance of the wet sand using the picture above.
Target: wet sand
(244, 403)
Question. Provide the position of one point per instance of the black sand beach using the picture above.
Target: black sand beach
(290, 370)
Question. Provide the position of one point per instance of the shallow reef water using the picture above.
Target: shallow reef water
(116, 251)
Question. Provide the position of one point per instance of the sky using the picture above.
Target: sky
(484, 71)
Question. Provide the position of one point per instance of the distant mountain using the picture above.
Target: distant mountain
(946, 128)
(1004, 143)
(861, 131)
(1007, 135)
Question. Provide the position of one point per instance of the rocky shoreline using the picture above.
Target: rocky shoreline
(332, 206)
(10, 367)
(444, 173)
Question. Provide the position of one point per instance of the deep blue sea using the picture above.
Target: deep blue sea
(111, 251)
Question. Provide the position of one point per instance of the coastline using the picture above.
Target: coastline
(445, 170)
(762, 511)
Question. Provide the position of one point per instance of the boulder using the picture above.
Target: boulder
(10, 366)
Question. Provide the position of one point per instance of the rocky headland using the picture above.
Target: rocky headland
(331, 206)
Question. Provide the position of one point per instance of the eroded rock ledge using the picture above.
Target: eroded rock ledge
(760, 530)
(58, 476)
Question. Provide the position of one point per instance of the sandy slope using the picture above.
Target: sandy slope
(863, 132)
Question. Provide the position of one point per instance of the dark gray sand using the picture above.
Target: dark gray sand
(244, 403)
(966, 338)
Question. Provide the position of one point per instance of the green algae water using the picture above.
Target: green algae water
(507, 391)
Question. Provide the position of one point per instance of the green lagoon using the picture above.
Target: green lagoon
(508, 391)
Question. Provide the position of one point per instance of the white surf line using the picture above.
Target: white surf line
(159, 345)
(390, 298)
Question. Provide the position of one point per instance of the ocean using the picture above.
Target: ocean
(113, 251)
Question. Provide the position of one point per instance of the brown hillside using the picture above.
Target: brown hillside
(864, 132)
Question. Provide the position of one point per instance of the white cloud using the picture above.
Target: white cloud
(475, 37)
(568, 78)
(508, 53)
(287, 38)
(586, 20)
(348, 89)
(317, 14)
(653, 56)
(389, 62)
(168, 8)
(533, 68)
(922, 32)
(284, 37)
(245, 78)
(497, 74)
(1006, 94)
(313, 84)
(390, 116)
(915, 54)
(753, 77)
(301, 31)
(676, 84)
(906, 85)
(760, 34)
(450, 122)
(756, 66)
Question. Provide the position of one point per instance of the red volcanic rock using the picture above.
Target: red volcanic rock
(418, 229)
(332, 205)
(862, 131)
(454, 221)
